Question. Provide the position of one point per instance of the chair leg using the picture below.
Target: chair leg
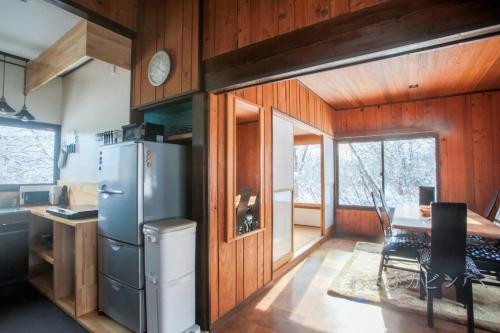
(422, 285)
(430, 308)
(470, 307)
(381, 265)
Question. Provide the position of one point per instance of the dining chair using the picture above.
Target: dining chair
(491, 204)
(389, 212)
(395, 248)
(446, 259)
(426, 195)
(475, 240)
(487, 255)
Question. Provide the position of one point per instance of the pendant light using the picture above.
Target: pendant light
(5, 108)
(24, 115)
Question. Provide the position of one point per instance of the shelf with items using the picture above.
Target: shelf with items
(176, 119)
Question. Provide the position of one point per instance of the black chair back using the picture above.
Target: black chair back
(491, 204)
(497, 218)
(426, 195)
(448, 238)
(388, 211)
(382, 216)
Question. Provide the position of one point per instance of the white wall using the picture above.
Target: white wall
(94, 100)
(44, 103)
(306, 216)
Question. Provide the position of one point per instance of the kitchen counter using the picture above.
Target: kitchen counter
(40, 211)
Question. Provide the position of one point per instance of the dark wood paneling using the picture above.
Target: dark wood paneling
(118, 16)
(240, 268)
(369, 34)
(468, 147)
(232, 24)
(172, 26)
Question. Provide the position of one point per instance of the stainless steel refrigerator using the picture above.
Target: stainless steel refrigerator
(139, 182)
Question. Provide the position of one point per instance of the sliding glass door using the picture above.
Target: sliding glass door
(283, 153)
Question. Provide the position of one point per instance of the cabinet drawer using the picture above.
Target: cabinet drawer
(122, 303)
(122, 262)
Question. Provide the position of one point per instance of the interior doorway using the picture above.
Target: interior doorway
(302, 187)
(307, 194)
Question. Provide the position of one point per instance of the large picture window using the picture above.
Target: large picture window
(396, 166)
(28, 153)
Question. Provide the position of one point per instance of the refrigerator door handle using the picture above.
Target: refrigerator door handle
(115, 246)
(103, 190)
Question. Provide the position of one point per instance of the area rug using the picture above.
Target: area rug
(358, 281)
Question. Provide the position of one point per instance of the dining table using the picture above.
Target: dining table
(412, 217)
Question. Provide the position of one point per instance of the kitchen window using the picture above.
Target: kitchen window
(397, 166)
(28, 153)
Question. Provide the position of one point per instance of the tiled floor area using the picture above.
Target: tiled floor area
(303, 235)
(299, 302)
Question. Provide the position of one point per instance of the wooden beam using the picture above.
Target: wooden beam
(84, 41)
(391, 28)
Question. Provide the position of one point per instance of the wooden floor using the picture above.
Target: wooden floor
(302, 235)
(298, 302)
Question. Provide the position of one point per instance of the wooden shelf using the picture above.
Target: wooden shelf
(101, 324)
(179, 137)
(67, 304)
(247, 234)
(43, 252)
(43, 283)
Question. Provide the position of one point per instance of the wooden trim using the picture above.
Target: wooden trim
(409, 131)
(385, 30)
(231, 101)
(306, 139)
(306, 205)
(200, 207)
(87, 14)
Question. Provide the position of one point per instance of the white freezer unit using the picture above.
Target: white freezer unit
(170, 247)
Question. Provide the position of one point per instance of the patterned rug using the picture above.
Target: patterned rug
(358, 282)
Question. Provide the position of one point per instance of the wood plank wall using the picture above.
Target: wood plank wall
(240, 268)
(469, 147)
(232, 24)
(173, 26)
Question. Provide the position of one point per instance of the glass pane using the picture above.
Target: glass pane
(408, 164)
(307, 174)
(360, 172)
(282, 224)
(26, 156)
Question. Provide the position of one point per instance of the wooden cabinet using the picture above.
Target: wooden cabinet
(122, 12)
(172, 26)
(67, 272)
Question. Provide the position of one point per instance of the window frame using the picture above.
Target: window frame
(382, 138)
(57, 146)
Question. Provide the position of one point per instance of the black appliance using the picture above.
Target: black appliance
(74, 212)
(14, 228)
(143, 131)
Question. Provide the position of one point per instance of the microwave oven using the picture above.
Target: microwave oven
(39, 194)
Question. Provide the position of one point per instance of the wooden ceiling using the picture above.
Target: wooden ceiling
(457, 69)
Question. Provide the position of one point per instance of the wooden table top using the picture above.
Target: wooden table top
(41, 212)
(409, 217)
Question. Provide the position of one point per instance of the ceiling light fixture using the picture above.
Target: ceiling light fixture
(5, 108)
(24, 114)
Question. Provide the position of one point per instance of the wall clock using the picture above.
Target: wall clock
(159, 68)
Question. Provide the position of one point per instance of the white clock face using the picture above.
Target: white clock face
(159, 68)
